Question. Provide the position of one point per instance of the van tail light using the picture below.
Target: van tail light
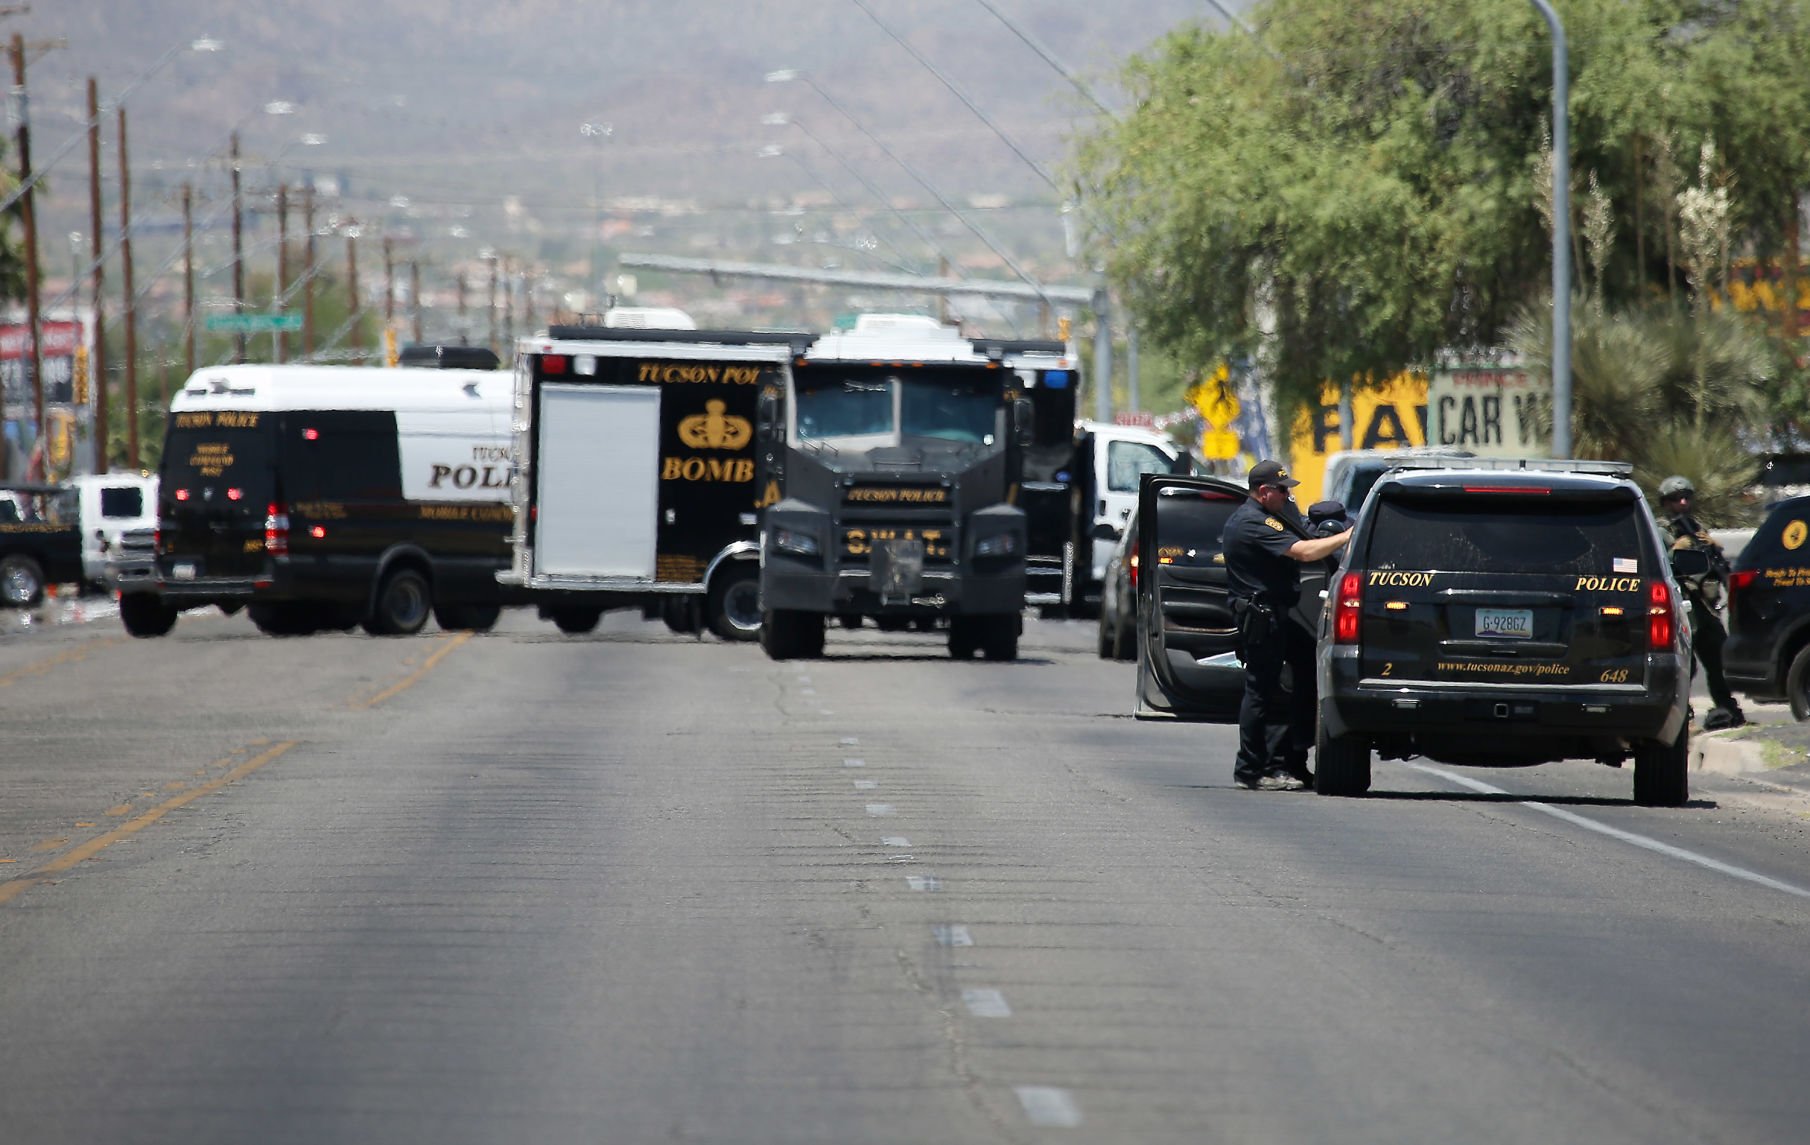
(1347, 609)
(1662, 615)
(276, 530)
(1131, 569)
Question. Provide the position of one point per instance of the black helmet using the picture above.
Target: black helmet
(1676, 486)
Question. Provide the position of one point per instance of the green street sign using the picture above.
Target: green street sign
(251, 323)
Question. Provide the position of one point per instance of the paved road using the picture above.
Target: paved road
(638, 888)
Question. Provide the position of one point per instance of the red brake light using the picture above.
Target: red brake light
(1348, 610)
(317, 531)
(1661, 618)
(276, 530)
(553, 364)
(1131, 569)
(182, 494)
(1742, 578)
(311, 435)
(235, 494)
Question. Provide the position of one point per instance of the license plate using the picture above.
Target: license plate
(182, 570)
(1516, 623)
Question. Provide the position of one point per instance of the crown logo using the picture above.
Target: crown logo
(713, 429)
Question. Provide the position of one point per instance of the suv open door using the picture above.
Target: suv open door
(1187, 666)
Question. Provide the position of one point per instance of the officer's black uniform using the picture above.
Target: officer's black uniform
(1707, 633)
(1276, 716)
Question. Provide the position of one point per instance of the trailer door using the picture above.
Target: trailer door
(598, 481)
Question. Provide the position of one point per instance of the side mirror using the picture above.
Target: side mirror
(1024, 421)
(766, 415)
(1689, 563)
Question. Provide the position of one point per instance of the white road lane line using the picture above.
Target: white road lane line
(954, 934)
(880, 810)
(1650, 844)
(923, 883)
(898, 841)
(986, 1003)
(1048, 1106)
(854, 763)
(849, 741)
(865, 785)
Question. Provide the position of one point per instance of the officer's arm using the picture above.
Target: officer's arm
(1317, 548)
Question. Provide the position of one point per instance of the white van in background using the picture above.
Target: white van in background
(109, 505)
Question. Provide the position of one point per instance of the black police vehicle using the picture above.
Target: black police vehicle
(1507, 614)
(1767, 655)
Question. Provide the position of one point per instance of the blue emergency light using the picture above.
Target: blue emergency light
(1057, 379)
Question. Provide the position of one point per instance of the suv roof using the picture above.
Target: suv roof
(1478, 474)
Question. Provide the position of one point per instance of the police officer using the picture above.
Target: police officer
(1676, 495)
(1266, 543)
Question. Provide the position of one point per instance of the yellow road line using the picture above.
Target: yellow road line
(414, 677)
(13, 888)
(69, 656)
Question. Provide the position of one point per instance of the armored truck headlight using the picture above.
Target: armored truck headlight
(795, 542)
(1001, 545)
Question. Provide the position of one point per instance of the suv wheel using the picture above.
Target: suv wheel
(1662, 772)
(145, 614)
(1797, 685)
(21, 582)
(1341, 764)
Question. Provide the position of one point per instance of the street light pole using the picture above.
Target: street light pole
(1561, 235)
(97, 358)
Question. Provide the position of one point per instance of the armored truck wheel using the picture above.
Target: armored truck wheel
(145, 614)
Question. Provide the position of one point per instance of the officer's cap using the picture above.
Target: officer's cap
(1270, 473)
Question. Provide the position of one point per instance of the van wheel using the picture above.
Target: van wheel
(1797, 685)
(403, 603)
(734, 604)
(576, 621)
(284, 618)
(467, 617)
(1341, 764)
(964, 636)
(21, 582)
(1662, 772)
(145, 614)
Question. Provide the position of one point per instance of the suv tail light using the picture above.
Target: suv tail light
(1347, 609)
(1131, 568)
(1662, 615)
(1739, 581)
(276, 530)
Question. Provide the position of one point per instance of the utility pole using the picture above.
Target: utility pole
(389, 284)
(238, 253)
(464, 334)
(131, 308)
(308, 271)
(493, 270)
(282, 290)
(508, 303)
(97, 358)
(28, 215)
(415, 300)
(353, 315)
(188, 277)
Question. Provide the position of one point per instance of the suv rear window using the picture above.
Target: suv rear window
(1503, 535)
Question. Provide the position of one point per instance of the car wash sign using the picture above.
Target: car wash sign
(1492, 409)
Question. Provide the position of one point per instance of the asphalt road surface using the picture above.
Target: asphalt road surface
(634, 887)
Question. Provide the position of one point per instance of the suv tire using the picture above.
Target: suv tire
(1797, 685)
(21, 582)
(145, 614)
(1662, 772)
(1341, 764)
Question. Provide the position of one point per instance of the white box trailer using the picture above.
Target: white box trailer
(634, 473)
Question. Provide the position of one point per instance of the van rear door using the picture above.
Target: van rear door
(219, 483)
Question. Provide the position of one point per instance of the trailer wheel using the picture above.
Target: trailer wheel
(145, 614)
(734, 603)
(576, 621)
(403, 603)
(21, 582)
(467, 617)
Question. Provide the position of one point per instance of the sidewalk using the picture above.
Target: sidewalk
(1775, 753)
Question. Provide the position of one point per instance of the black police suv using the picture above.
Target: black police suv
(1509, 614)
(1767, 655)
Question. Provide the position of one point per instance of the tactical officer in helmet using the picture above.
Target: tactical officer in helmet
(1705, 593)
(1266, 543)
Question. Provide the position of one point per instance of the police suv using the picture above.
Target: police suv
(1507, 613)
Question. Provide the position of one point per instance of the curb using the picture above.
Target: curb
(1742, 758)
